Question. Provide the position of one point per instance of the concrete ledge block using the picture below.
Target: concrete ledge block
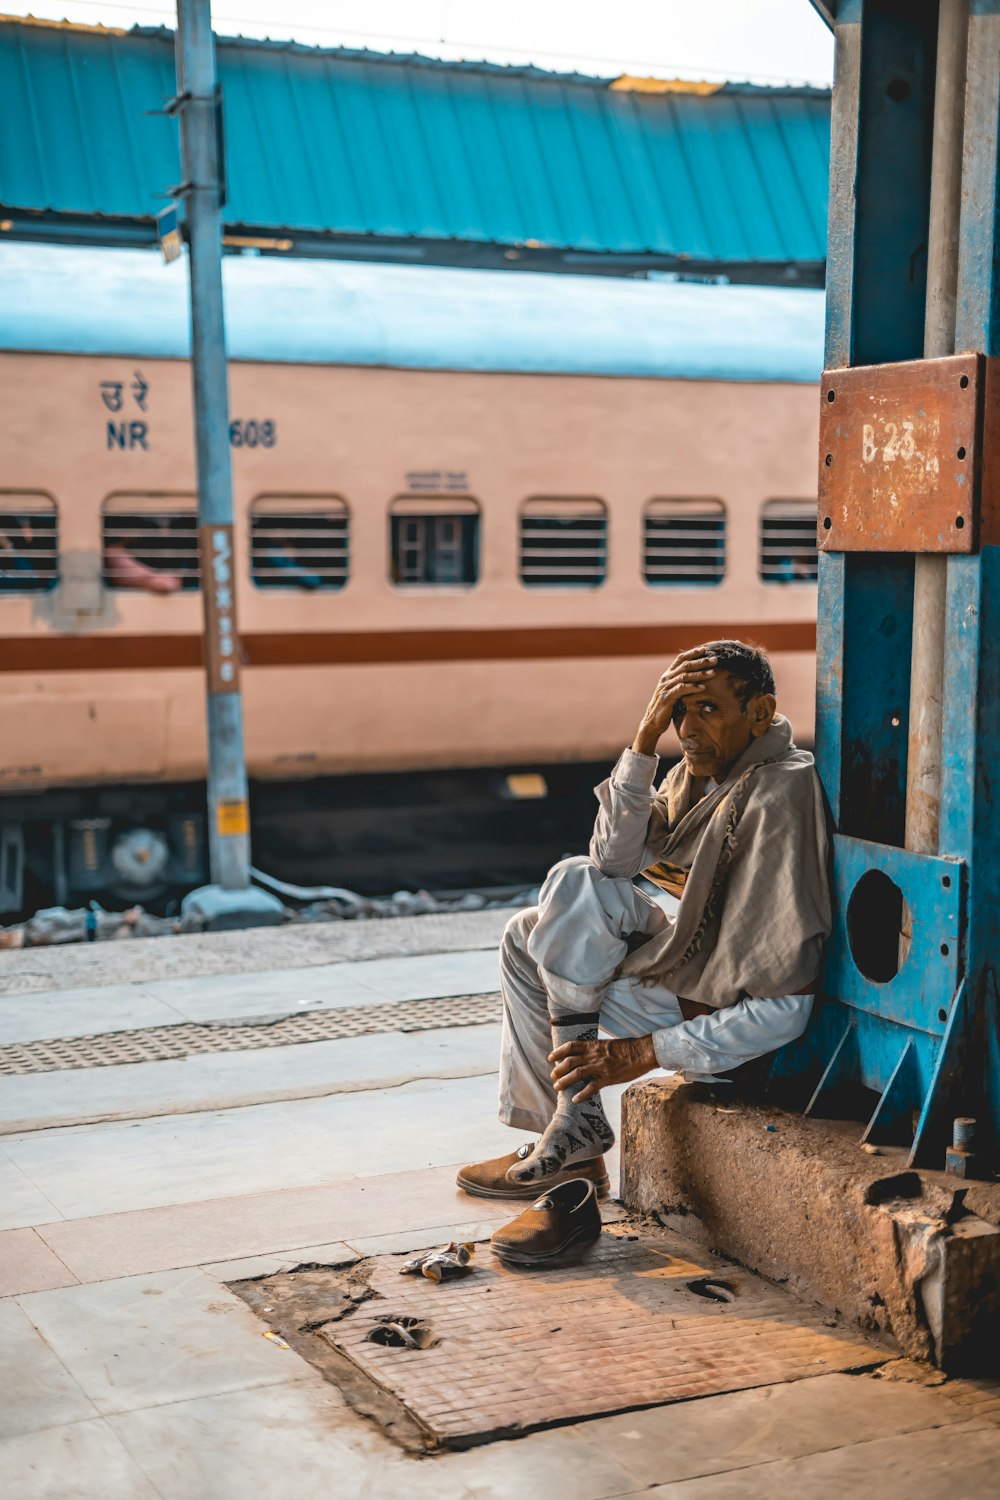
(911, 1257)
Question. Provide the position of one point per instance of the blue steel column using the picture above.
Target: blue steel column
(912, 1037)
(930, 577)
(228, 819)
(845, 121)
(925, 1039)
(970, 794)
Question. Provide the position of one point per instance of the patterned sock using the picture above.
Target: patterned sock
(576, 1132)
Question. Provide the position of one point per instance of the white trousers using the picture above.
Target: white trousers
(562, 957)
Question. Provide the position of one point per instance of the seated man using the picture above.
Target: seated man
(738, 832)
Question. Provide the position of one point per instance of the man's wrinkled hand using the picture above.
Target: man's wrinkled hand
(688, 672)
(597, 1065)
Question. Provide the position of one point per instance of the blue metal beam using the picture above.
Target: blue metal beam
(910, 1010)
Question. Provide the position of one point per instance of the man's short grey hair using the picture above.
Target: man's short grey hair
(750, 664)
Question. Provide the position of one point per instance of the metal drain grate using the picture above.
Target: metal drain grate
(160, 1043)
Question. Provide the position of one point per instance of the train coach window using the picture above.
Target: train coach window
(788, 542)
(151, 543)
(564, 543)
(434, 540)
(299, 542)
(29, 543)
(684, 542)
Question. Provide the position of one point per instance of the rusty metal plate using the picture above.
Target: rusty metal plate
(900, 458)
(634, 1325)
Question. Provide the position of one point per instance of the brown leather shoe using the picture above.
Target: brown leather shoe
(558, 1229)
(488, 1179)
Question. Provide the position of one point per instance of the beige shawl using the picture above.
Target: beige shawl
(756, 909)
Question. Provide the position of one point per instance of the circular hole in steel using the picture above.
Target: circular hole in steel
(946, 882)
(898, 90)
(964, 382)
(942, 1014)
(831, 395)
(828, 460)
(875, 916)
(945, 950)
(959, 522)
(895, 721)
(961, 453)
(827, 522)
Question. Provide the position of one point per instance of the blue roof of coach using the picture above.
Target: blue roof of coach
(127, 302)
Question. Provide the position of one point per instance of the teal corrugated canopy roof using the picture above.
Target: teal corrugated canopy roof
(403, 157)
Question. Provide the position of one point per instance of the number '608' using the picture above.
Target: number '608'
(253, 434)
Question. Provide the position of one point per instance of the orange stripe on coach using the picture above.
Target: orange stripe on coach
(123, 653)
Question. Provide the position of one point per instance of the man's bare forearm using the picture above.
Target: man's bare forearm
(647, 739)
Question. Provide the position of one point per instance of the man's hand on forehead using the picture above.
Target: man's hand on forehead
(688, 673)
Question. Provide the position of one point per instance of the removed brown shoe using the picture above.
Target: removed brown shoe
(558, 1229)
(488, 1179)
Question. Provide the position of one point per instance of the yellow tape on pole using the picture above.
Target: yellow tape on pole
(232, 818)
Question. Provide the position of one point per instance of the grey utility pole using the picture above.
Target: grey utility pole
(230, 901)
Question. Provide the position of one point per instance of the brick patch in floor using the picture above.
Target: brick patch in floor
(628, 1328)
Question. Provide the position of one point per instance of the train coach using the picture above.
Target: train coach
(476, 513)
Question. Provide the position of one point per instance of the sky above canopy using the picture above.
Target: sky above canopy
(767, 41)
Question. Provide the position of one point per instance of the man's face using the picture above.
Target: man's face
(714, 725)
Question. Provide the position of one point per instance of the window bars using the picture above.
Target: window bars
(151, 543)
(563, 543)
(29, 543)
(684, 542)
(788, 542)
(299, 542)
